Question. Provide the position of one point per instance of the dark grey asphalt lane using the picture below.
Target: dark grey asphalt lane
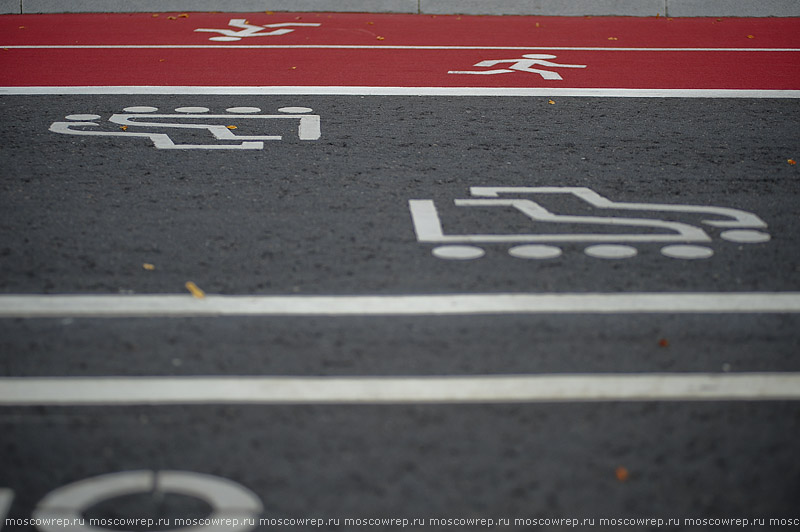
(83, 214)
(521, 461)
(331, 216)
(424, 345)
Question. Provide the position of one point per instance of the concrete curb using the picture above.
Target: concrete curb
(672, 8)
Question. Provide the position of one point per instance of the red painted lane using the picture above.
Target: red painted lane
(226, 63)
(407, 68)
(378, 29)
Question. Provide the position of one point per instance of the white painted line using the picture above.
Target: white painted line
(373, 47)
(28, 391)
(142, 306)
(404, 91)
(227, 499)
(6, 497)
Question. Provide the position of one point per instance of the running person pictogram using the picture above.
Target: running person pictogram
(523, 64)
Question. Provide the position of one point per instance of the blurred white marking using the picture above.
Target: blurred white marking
(25, 391)
(180, 305)
(6, 497)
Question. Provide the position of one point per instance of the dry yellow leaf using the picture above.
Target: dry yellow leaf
(195, 290)
(231, 127)
(613, 39)
(183, 15)
(751, 36)
(380, 38)
(149, 267)
(124, 128)
(791, 161)
(551, 102)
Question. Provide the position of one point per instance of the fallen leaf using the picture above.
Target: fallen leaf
(183, 15)
(663, 342)
(551, 102)
(751, 36)
(149, 267)
(293, 68)
(791, 161)
(194, 290)
(371, 23)
(269, 12)
(124, 128)
(172, 18)
(231, 127)
(380, 38)
(622, 474)
(155, 15)
(613, 39)
(538, 25)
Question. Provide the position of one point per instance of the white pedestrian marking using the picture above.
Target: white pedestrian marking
(294, 90)
(145, 117)
(233, 505)
(180, 305)
(251, 30)
(428, 225)
(6, 498)
(31, 391)
(524, 64)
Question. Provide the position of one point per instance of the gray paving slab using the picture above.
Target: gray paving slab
(545, 7)
(674, 8)
(10, 7)
(733, 8)
(123, 6)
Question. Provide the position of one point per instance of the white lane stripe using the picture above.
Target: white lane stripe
(404, 91)
(374, 47)
(26, 391)
(179, 305)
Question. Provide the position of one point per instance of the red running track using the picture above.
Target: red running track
(372, 50)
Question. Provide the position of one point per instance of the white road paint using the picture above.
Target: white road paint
(26, 391)
(428, 226)
(251, 30)
(227, 499)
(144, 117)
(401, 91)
(6, 497)
(184, 305)
(522, 64)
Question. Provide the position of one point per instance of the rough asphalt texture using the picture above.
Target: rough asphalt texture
(83, 214)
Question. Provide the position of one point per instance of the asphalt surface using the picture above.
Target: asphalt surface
(84, 214)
